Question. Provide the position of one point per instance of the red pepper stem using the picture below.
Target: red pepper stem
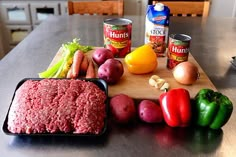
(166, 90)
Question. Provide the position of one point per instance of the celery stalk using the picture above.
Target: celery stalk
(64, 68)
(51, 71)
(61, 68)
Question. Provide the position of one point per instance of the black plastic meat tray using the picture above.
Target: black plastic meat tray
(99, 82)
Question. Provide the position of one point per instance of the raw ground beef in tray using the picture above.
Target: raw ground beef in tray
(51, 106)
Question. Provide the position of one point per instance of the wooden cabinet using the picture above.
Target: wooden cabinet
(19, 18)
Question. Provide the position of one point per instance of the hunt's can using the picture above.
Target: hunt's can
(178, 49)
(117, 36)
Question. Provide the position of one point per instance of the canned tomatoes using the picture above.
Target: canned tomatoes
(178, 49)
(117, 36)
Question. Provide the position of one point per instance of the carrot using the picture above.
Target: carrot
(91, 70)
(84, 66)
(69, 73)
(77, 60)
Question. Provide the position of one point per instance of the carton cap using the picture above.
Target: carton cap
(159, 7)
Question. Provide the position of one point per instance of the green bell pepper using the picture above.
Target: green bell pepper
(212, 109)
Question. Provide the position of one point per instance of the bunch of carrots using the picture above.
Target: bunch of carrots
(73, 63)
(81, 66)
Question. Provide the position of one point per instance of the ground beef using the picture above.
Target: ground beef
(51, 106)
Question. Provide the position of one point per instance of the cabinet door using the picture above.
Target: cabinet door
(15, 13)
(40, 12)
(17, 33)
(64, 8)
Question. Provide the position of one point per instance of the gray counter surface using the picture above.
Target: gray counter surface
(212, 45)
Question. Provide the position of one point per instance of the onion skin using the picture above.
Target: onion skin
(186, 73)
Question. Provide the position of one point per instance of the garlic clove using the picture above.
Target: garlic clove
(153, 80)
(165, 86)
(159, 83)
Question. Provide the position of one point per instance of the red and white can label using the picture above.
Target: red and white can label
(178, 49)
(117, 36)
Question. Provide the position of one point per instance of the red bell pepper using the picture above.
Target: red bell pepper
(176, 107)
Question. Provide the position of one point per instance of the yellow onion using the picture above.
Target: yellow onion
(186, 73)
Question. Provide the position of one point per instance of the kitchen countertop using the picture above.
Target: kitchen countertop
(212, 45)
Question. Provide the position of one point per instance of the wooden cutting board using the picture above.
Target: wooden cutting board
(137, 86)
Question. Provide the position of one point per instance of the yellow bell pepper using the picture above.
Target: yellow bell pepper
(142, 60)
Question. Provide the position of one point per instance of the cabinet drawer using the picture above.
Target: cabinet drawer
(40, 12)
(16, 13)
(17, 33)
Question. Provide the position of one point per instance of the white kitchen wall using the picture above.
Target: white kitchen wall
(223, 8)
(135, 7)
(219, 8)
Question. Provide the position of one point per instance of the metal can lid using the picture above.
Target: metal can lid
(118, 21)
(181, 37)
